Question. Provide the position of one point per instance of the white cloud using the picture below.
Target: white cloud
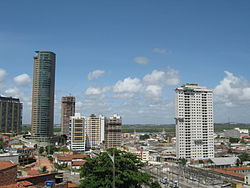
(3, 74)
(95, 74)
(168, 77)
(161, 51)
(22, 80)
(124, 95)
(232, 90)
(154, 90)
(141, 60)
(96, 91)
(129, 85)
(14, 92)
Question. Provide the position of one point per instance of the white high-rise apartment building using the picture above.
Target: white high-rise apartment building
(86, 133)
(194, 122)
(95, 130)
(77, 131)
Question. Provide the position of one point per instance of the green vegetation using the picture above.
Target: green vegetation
(97, 172)
(44, 169)
(62, 140)
(2, 144)
(171, 127)
(244, 157)
(234, 140)
(144, 137)
(57, 129)
(183, 161)
(41, 150)
(155, 185)
(51, 149)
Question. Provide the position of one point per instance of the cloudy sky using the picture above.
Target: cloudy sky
(127, 57)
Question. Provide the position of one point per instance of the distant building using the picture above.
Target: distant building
(10, 115)
(233, 133)
(91, 132)
(194, 122)
(67, 110)
(113, 133)
(95, 131)
(77, 132)
(43, 95)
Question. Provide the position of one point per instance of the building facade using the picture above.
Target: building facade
(43, 94)
(67, 110)
(113, 133)
(77, 131)
(95, 131)
(10, 115)
(91, 132)
(194, 122)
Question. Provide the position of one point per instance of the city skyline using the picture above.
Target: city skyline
(130, 64)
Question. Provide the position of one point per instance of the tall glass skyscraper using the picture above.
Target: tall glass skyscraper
(43, 94)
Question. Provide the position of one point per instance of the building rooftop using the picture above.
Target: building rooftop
(78, 163)
(228, 173)
(6, 164)
(192, 87)
(224, 160)
(71, 157)
(32, 172)
(238, 168)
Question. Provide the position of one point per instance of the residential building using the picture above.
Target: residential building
(113, 134)
(194, 122)
(67, 110)
(8, 171)
(43, 95)
(91, 132)
(95, 131)
(10, 115)
(77, 132)
(70, 159)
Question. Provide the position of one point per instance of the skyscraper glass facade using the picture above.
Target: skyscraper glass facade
(43, 94)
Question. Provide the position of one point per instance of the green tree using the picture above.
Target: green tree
(50, 158)
(97, 172)
(51, 149)
(155, 184)
(238, 162)
(244, 157)
(44, 169)
(41, 150)
(234, 140)
(144, 137)
(2, 144)
(183, 161)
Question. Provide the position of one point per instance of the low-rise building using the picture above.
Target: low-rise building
(8, 173)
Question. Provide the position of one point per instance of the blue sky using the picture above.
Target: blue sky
(168, 42)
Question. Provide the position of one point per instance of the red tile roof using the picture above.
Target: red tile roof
(71, 157)
(6, 164)
(71, 185)
(229, 173)
(238, 168)
(33, 172)
(78, 163)
(79, 156)
(25, 183)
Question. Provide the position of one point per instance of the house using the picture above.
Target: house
(69, 159)
(8, 172)
(78, 164)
